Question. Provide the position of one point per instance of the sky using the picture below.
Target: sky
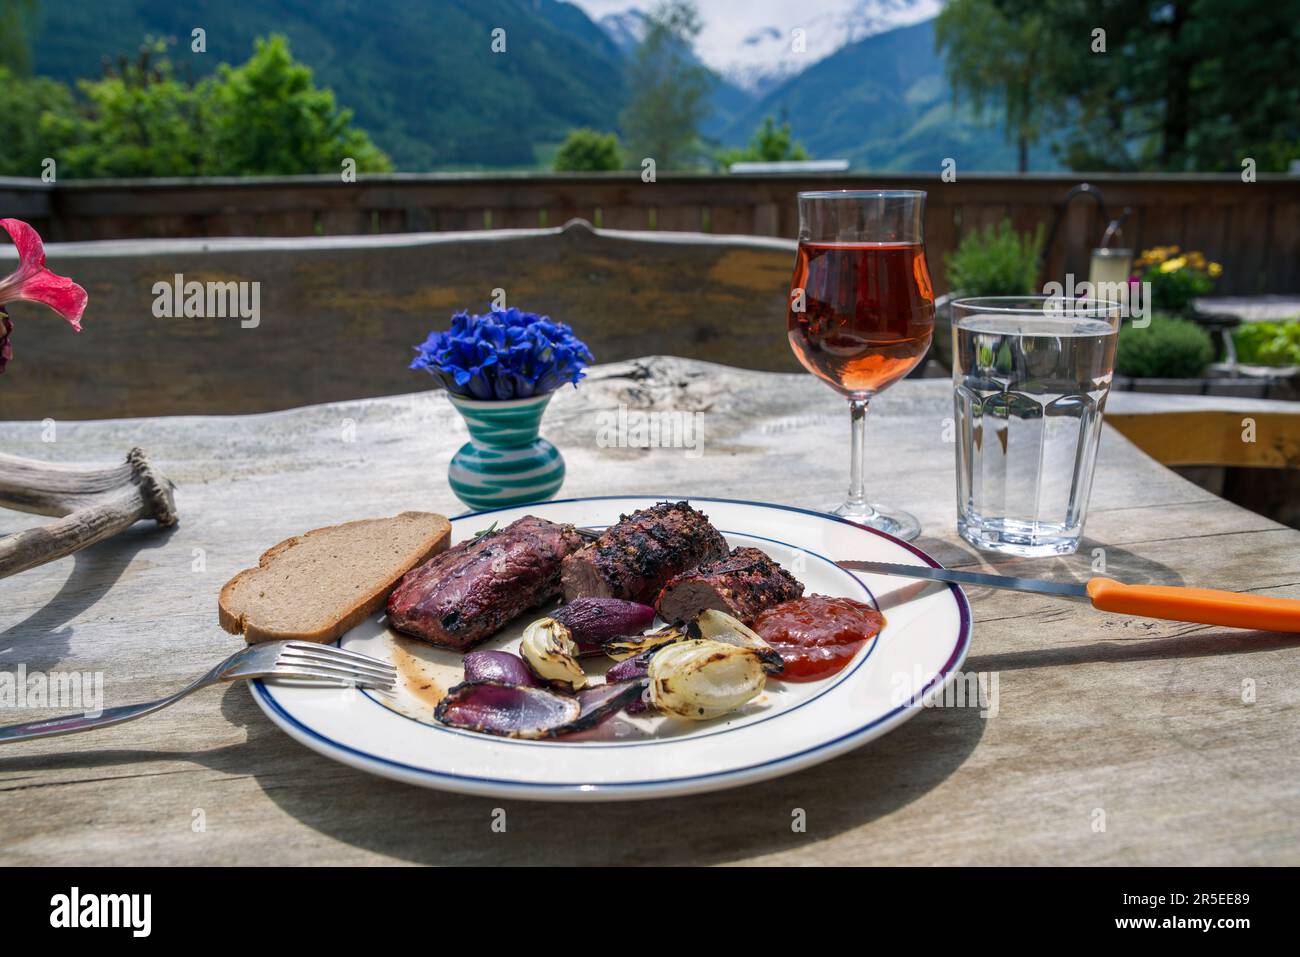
(745, 39)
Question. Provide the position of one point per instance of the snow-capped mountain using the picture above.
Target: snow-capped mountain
(757, 44)
(625, 28)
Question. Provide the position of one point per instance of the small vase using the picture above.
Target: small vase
(504, 462)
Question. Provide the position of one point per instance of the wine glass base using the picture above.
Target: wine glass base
(891, 521)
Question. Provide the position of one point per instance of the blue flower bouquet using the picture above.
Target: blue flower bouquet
(506, 354)
(500, 371)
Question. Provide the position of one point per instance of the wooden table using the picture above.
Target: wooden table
(1115, 741)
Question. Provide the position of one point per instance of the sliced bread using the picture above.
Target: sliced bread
(315, 586)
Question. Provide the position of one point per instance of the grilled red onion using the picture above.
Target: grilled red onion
(601, 702)
(499, 667)
(508, 710)
(513, 711)
(633, 669)
(629, 669)
(594, 621)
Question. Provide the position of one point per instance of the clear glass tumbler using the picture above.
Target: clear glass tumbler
(1030, 380)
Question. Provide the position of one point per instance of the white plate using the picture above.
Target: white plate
(790, 726)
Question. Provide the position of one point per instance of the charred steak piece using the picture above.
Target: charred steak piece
(469, 591)
(743, 584)
(635, 558)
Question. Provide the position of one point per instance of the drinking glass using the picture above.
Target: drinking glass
(1030, 379)
(862, 312)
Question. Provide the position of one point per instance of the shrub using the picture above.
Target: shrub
(996, 262)
(586, 151)
(1268, 343)
(770, 144)
(1169, 348)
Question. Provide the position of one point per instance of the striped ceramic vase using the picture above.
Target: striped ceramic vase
(504, 462)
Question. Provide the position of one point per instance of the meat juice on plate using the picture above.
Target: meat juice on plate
(1029, 393)
(868, 313)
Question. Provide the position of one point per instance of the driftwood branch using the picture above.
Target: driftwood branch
(90, 504)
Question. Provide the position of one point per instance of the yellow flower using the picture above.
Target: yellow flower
(1173, 265)
(1215, 270)
(1156, 254)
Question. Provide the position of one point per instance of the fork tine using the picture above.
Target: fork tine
(333, 650)
(380, 669)
(343, 671)
(320, 672)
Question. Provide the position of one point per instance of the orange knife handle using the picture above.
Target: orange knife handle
(1204, 605)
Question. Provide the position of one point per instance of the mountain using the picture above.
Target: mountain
(421, 78)
(883, 103)
(759, 44)
(726, 100)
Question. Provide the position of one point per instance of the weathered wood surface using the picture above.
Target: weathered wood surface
(1252, 228)
(1142, 721)
(626, 294)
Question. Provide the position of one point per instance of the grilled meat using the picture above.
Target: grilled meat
(743, 584)
(634, 559)
(469, 591)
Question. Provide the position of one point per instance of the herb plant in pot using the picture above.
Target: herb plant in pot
(500, 371)
(997, 261)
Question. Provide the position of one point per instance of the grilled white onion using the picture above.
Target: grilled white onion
(703, 679)
(719, 626)
(551, 652)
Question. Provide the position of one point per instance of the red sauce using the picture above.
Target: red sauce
(817, 635)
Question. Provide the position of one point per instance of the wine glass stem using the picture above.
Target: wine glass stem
(858, 453)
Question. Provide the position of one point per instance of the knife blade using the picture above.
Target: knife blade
(1067, 589)
(1206, 606)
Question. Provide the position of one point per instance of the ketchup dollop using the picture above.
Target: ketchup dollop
(817, 635)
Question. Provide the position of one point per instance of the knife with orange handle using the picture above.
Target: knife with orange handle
(1206, 606)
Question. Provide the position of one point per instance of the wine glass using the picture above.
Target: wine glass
(862, 312)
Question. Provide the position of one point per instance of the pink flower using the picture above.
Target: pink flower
(32, 282)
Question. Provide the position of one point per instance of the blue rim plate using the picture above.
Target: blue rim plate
(791, 726)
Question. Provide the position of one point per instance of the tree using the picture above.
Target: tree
(270, 118)
(15, 54)
(140, 119)
(1138, 84)
(995, 59)
(587, 151)
(28, 107)
(769, 144)
(668, 89)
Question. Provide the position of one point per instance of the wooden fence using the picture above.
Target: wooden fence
(1252, 228)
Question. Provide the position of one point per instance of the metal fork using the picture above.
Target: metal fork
(272, 659)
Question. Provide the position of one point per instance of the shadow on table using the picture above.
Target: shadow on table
(1119, 563)
(1093, 559)
(41, 640)
(432, 827)
(1199, 644)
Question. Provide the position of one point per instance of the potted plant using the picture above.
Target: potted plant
(995, 261)
(1176, 277)
(500, 370)
(1170, 347)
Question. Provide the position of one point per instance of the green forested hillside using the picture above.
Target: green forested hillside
(420, 77)
(883, 103)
